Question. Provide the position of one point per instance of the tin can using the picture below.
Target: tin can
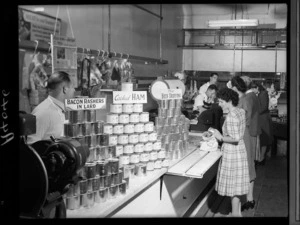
(107, 180)
(122, 139)
(121, 176)
(92, 155)
(159, 130)
(152, 136)
(70, 130)
(112, 118)
(134, 158)
(139, 128)
(90, 170)
(112, 151)
(96, 183)
(125, 159)
(124, 118)
(122, 188)
(73, 202)
(165, 163)
(144, 117)
(162, 112)
(96, 196)
(108, 129)
(157, 164)
(114, 178)
(87, 140)
(153, 155)
(102, 152)
(113, 140)
(134, 118)
(127, 182)
(83, 186)
(177, 111)
(70, 192)
(90, 184)
(150, 165)
(76, 189)
(178, 103)
(131, 171)
(143, 138)
(172, 103)
(103, 193)
(128, 149)
(102, 181)
(119, 150)
(138, 148)
(138, 108)
(128, 128)
(141, 169)
(118, 129)
(148, 147)
(160, 121)
(90, 199)
(91, 115)
(161, 154)
(76, 116)
(82, 173)
(114, 162)
(102, 139)
(116, 108)
(157, 145)
(127, 108)
(112, 191)
(83, 200)
(102, 168)
(144, 157)
(149, 127)
(133, 138)
(87, 128)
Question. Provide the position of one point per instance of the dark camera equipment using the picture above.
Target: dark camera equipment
(47, 169)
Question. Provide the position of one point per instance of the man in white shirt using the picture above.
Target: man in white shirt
(212, 80)
(204, 100)
(50, 113)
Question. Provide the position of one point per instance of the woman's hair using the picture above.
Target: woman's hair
(260, 87)
(247, 81)
(227, 95)
(239, 83)
(253, 84)
(58, 78)
(267, 83)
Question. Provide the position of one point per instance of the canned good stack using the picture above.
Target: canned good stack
(172, 129)
(102, 177)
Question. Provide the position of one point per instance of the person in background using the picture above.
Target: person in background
(203, 101)
(212, 80)
(50, 113)
(265, 121)
(254, 88)
(251, 106)
(233, 172)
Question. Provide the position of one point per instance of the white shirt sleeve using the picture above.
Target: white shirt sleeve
(42, 125)
(203, 88)
(199, 101)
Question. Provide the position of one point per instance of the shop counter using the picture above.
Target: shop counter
(167, 192)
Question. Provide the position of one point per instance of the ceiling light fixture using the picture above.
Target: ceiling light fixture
(233, 23)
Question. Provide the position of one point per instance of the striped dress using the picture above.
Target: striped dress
(233, 171)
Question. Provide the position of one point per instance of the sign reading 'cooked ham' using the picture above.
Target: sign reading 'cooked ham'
(123, 97)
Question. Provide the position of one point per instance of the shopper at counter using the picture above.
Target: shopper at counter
(212, 80)
(265, 122)
(249, 102)
(50, 113)
(233, 172)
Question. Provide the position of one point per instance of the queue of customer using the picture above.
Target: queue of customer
(246, 134)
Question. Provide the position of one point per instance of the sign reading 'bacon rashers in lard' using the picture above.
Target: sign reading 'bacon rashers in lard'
(123, 97)
(85, 103)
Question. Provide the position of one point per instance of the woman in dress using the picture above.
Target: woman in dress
(233, 171)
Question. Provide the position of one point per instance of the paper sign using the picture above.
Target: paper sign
(85, 103)
(172, 94)
(124, 97)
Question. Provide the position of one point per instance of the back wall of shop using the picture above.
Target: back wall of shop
(133, 31)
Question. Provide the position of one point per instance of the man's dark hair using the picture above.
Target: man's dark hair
(228, 94)
(213, 87)
(57, 78)
(212, 74)
(239, 83)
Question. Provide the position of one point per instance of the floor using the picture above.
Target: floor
(270, 193)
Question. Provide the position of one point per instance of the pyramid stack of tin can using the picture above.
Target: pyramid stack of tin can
(102, 177)
(172, 129)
